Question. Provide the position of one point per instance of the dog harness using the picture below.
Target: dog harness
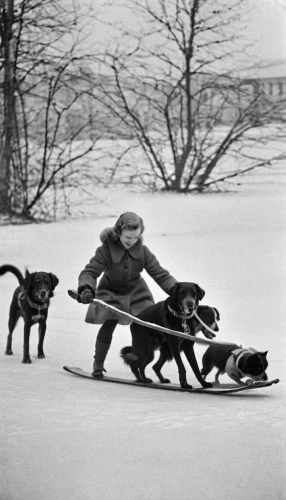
(233, 360)
(184, 318)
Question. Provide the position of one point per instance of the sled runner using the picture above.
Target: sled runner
(74, 295)
(221, 389)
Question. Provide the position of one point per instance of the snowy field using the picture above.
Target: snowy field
(67, 438)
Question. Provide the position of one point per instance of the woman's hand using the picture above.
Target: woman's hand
(86, 295)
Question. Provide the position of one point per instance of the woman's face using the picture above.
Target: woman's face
(129, 237)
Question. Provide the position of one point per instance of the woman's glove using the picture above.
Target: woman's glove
(86, 295)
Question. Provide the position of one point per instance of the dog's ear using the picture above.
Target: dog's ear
(173, 290)
(264, 354)
(201, 292)
(28, 280)
(55, 280)
(217, 313)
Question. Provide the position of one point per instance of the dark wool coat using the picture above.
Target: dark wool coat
(121, 284)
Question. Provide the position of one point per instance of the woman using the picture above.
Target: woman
(121, 258)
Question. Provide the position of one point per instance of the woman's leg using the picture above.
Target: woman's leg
(102, 346)
(106, 331)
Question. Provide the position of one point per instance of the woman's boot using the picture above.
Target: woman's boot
(101, 351)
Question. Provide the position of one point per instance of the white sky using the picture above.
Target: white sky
(265, 22)
(267, 28)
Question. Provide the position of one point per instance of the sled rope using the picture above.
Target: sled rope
(162, 329)
(206, 326)
(184, 318)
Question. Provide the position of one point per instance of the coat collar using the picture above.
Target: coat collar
(117, 251)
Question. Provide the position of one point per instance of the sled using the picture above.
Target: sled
(133, 319)
(220, 389)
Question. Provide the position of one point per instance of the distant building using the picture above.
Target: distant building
(224, 97)
(269, 80)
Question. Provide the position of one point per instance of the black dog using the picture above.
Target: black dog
(236, 361)
(31, 300)
(209, 315)
(175, 313)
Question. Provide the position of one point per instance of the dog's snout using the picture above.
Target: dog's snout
(208, 334)
(190, 304)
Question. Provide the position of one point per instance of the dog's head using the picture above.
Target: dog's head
(254, 364)
(185, 297)
(40, 285)
(210, 316)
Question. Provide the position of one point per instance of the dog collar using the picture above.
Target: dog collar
(39, 307)
(183, 317)
(238, 353)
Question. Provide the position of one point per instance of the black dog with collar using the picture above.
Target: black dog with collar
(175, 313)
(30, 300)
(236, 361)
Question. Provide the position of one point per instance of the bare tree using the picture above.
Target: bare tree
(48, 113)
(171, 87)
(6, 138)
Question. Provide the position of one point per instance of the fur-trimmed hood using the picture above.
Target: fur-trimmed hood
(109, 233)
(117, 251)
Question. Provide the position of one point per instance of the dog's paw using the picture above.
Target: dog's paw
(26, 361)
(41, 355)
(186, 386)
(146, 381)
(207, 385)
(165, 381)
(249, 381)
(9, 352)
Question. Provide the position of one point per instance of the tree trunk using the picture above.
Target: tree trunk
(6, 12)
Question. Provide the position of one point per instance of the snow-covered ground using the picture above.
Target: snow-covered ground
(67, 438)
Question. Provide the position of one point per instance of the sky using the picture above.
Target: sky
(267, 28)
(265, 25)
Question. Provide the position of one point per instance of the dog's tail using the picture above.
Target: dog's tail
(8, 268)
(128, 356)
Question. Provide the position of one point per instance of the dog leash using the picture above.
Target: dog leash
(162, 329)
(202, 323)
(74, 295)
(184, 319)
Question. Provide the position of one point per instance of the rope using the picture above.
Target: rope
(162, 329)
(202, 323)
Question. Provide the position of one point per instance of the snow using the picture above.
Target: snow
(65, 437)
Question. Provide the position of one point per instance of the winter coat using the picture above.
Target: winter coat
(121, 284)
